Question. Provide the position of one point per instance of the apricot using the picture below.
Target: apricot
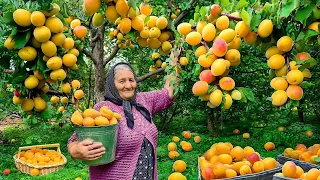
(172, 146)
(289, 169)
(269, 163)
(215, 10)
(58, 39)
(225, 158)
(218, 67)
(250, 38)
(245, 169)
(137, 23)
(313, 174)
(283, 71)
(279, 98)
(200, 26)
(257, 167)
(111, 14)
(9, 43)
(272, 51)
(242, 29)
(22, 17)
(222, 23)
(233, 56)
(276, 61)
(145, 9)
(80, 31)
(228, 35)
(27, 53)
(200, 51)
(226, 83)
(179, 166)
(314, 26)
(237, 153)
(54, 24)
(208, 32)
(206, 62)
(294, 92)
(219, 47)
(207, 76)
(269, 146)
(294, 77)
(193, 38)
(235, 43)
(285, 43)
(49, 48)
(200, 88)
(265, 28)
(173, 154)
(279, 83)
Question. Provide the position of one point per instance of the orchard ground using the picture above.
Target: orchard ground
(294, 133)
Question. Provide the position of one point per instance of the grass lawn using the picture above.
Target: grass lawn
(258, 137)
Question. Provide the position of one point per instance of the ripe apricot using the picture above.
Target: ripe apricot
(285, 43)
(294, 92)
(200, 88)
(215, 98)
(279, 98)
(193, 38)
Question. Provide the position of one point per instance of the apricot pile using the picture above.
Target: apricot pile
(40, 157)
(302, 153)
(223, 160)
(291, 170)
(92, 117)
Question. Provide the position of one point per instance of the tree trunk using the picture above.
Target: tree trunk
(210, 121)
(300, 111)
(89, 85)
(100, 77)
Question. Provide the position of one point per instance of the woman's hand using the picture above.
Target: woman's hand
(87, 150)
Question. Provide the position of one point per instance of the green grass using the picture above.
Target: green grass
(290, 137)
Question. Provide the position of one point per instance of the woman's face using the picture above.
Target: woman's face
(125, 83)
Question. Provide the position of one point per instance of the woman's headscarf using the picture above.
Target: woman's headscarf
(113, 95)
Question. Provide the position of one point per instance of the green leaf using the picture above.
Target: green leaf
(8, 18)
(317, 159)
(306, 84)
(196, 17)
(304, 13)
(245, 16)
(132, 3)
(21, 39)
(256, 19)
(287, 9)
(196, 69)
(14, 31)
(226, 4)
(19, 79)
(249, 94)
(310, 33)
(244, 97)
(211, 89)
(241, 4)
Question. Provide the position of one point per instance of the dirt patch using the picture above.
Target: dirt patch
(11, 120)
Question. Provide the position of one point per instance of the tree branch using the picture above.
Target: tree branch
(144, 77)
(9, 71)
(232, 17)
(169, 4)
(183, 13)
(90, 55)
(53, 92)
(111, 56)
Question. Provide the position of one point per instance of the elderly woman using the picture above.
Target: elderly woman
(137, 135)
